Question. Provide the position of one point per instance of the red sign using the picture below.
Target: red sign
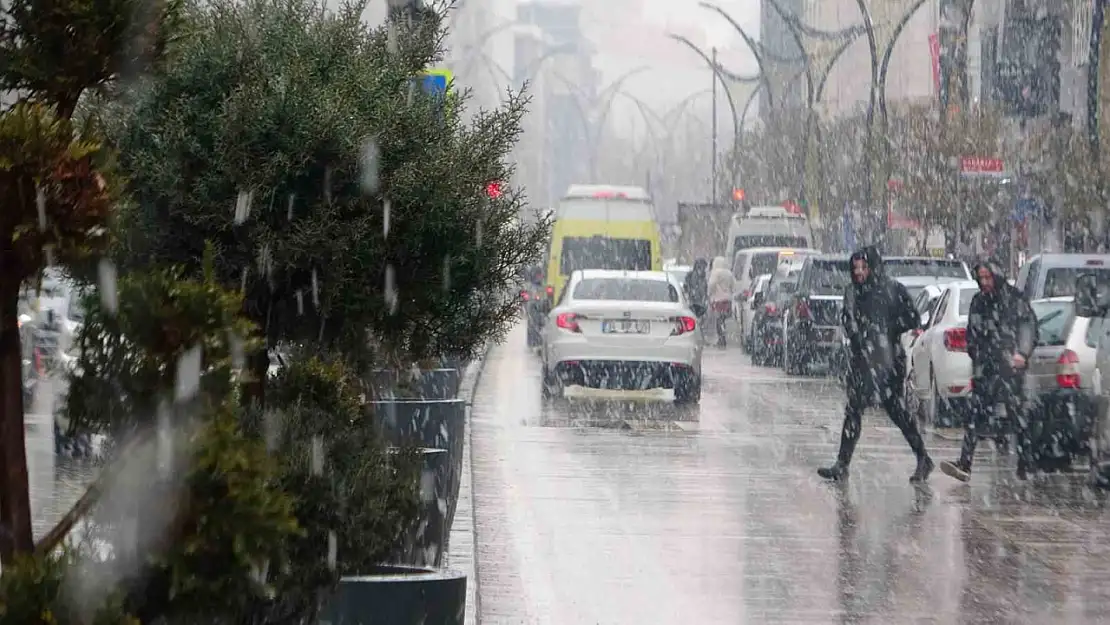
(980, 165)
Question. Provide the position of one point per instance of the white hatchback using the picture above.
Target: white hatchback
(626, 330)
(939, 376)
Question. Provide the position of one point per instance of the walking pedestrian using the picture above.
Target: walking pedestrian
(696, 288)
(722, 287)
(877, 311)
(1001, 335)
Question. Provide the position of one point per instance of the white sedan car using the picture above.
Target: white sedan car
(939, 376)
(626, 330)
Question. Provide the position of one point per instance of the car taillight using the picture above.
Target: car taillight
(955, 339)
(567, 321)
(550, 291)
(771, 309)
(801, 309)
(1067, 372)
(682, 325)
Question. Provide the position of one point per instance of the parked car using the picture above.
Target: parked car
(622, 330)
(1061, 382)
(1054, 275)
(746, 309)
(924, 303)
(811, 330)
(534, 303)
(917, 272)
(766, 342)
(938, 378)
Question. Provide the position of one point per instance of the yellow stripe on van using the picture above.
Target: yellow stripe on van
(564, 228)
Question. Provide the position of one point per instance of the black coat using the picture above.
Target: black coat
(696, 285)
(999, 325)
(875, 315)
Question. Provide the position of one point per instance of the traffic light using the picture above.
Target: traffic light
(737, 195)
(495, 189)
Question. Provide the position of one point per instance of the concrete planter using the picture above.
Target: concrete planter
(425, 544)
(398, 595)
(427, 423)
(428, 384)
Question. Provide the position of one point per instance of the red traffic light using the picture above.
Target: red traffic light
(494, 189)
(738, 195)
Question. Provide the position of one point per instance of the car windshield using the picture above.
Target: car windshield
(783, 287)
(917, 267)
(605, 253)
(626, 290)
(965, 300)
(749, 241)
(1053, 321)
(828, 277)
(764, 263)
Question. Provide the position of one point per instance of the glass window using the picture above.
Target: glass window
(626, 290)
(1060, 281)
(828, 277)
(912, 267)
(764, 263)
(605, 253)
(965, 300)
(1053, 321)
(749, 241)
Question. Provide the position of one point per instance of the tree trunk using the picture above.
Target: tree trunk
(15, 499)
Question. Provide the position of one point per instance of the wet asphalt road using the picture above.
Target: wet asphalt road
(607, 512)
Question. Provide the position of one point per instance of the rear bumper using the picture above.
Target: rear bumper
(623, 374)
(811, 340)
(685, 352)
(953, 376)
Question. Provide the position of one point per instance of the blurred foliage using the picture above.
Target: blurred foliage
(367, 496)
(290, 109)
(39, 590)
(127, 359)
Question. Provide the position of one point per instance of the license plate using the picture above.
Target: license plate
(625, 326)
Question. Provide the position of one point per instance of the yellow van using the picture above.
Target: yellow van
(602, 227)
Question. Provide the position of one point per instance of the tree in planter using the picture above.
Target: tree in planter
(55, 176)
(354, 505)
(216, 521)
(338, 197)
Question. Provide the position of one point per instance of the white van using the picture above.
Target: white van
(767, 226)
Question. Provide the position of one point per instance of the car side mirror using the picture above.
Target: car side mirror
(1089, 302)
(757, 300)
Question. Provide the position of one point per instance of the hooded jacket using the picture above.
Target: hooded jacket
(876, 313)
(722, 284)
(696, 284)
(1000, 323)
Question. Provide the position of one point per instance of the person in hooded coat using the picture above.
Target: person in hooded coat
(877, 311)
(1001, 335)
(722, 286)
(696, 287)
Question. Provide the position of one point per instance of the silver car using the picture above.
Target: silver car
(1061, 380)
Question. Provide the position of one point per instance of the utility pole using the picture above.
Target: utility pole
(713, 177)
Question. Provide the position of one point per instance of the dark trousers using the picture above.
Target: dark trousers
(987, 392)
(861, 396)
(721, 312)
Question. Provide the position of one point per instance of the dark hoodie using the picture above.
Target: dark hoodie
(876, 313)
(696, 284)
(1000, 323)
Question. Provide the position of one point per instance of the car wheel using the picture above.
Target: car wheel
(552, 386)
(687, 389)
(534, 336)
(790, 362)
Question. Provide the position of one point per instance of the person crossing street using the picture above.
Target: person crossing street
(877, 311)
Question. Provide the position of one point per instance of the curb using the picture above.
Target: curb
(465, 548)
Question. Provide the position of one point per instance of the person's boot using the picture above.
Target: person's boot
(924, 468)
(834, 473)
(957, 470)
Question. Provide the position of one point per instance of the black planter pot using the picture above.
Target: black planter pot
(425, 544)
(427, 423)
(398, 595)
(428, 384)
